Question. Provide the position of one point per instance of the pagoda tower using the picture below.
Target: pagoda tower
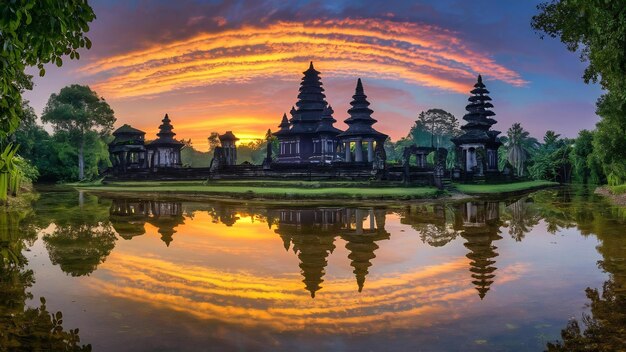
(296, 143)
(165, 150)
(477, 148)
(362, 245)
(283, 127)
(313, 252)
(360, 128)
(479, 224)
(166, 216)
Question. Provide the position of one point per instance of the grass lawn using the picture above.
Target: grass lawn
(502, 187)
(271, 189)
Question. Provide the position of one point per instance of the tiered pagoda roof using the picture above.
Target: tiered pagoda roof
(482, 255)
(362, 247)
(479, 117)
(327, 121)
(166, 135)
(311, 103)
(284, 127)
(313, 252)
(360, 121)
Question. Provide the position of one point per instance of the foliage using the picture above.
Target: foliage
(33, 33)
(78, 248)
(252, 152)
(586, 166)
(10, 174)
(25, 328)
(604, 330)
(78, 111)
(519, 147)
(596, 30)
(435, 127)
(551, 161)
(55, 157)
(214, 141)
(609, 143)
(191, 157)
(618, 189)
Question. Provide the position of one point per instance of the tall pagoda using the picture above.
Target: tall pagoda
(165, 150)
(477, 148)
(361, 243)
(303, 138)
(360, 128)
(479, 224)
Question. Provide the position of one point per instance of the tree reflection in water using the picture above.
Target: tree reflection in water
(25, 328)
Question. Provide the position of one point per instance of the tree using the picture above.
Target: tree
(519, 145)
(596, 30)
(77, 110)
(609, 142)
(439, 124)
(214, 141)
(191, 157)
(551, 161)
(33, 33)
(586, 167)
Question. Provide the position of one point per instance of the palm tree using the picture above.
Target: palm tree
(519, 145)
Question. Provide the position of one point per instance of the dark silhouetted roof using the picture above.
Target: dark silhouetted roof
(360, 121)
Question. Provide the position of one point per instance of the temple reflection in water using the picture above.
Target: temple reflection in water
(479, 224)
(311, 233)
(129, 217)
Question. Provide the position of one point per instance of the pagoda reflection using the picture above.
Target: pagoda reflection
(128, 217)
(311, 234)
(479, 224)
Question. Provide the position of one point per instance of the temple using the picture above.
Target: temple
(310, 137)
(311, 147)
(477, 147)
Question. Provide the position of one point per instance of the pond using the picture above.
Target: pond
(146, 275)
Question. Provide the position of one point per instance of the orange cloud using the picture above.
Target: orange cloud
(419, 297)
(416, 53)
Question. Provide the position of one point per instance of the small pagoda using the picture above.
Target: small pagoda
(127, 150)
(229, 148)
(360, 129)
(477, 148)
(165, 150)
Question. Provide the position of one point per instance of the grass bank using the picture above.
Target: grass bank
(269, 189)
(617, 190)
(311, 191)
(503, 188)
(616, 194)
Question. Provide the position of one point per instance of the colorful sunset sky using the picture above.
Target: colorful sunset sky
(236, 65)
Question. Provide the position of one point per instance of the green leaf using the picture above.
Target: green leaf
(59, 61)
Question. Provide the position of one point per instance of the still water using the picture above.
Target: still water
(146, 275)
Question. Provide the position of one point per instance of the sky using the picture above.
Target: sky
(236, 65)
